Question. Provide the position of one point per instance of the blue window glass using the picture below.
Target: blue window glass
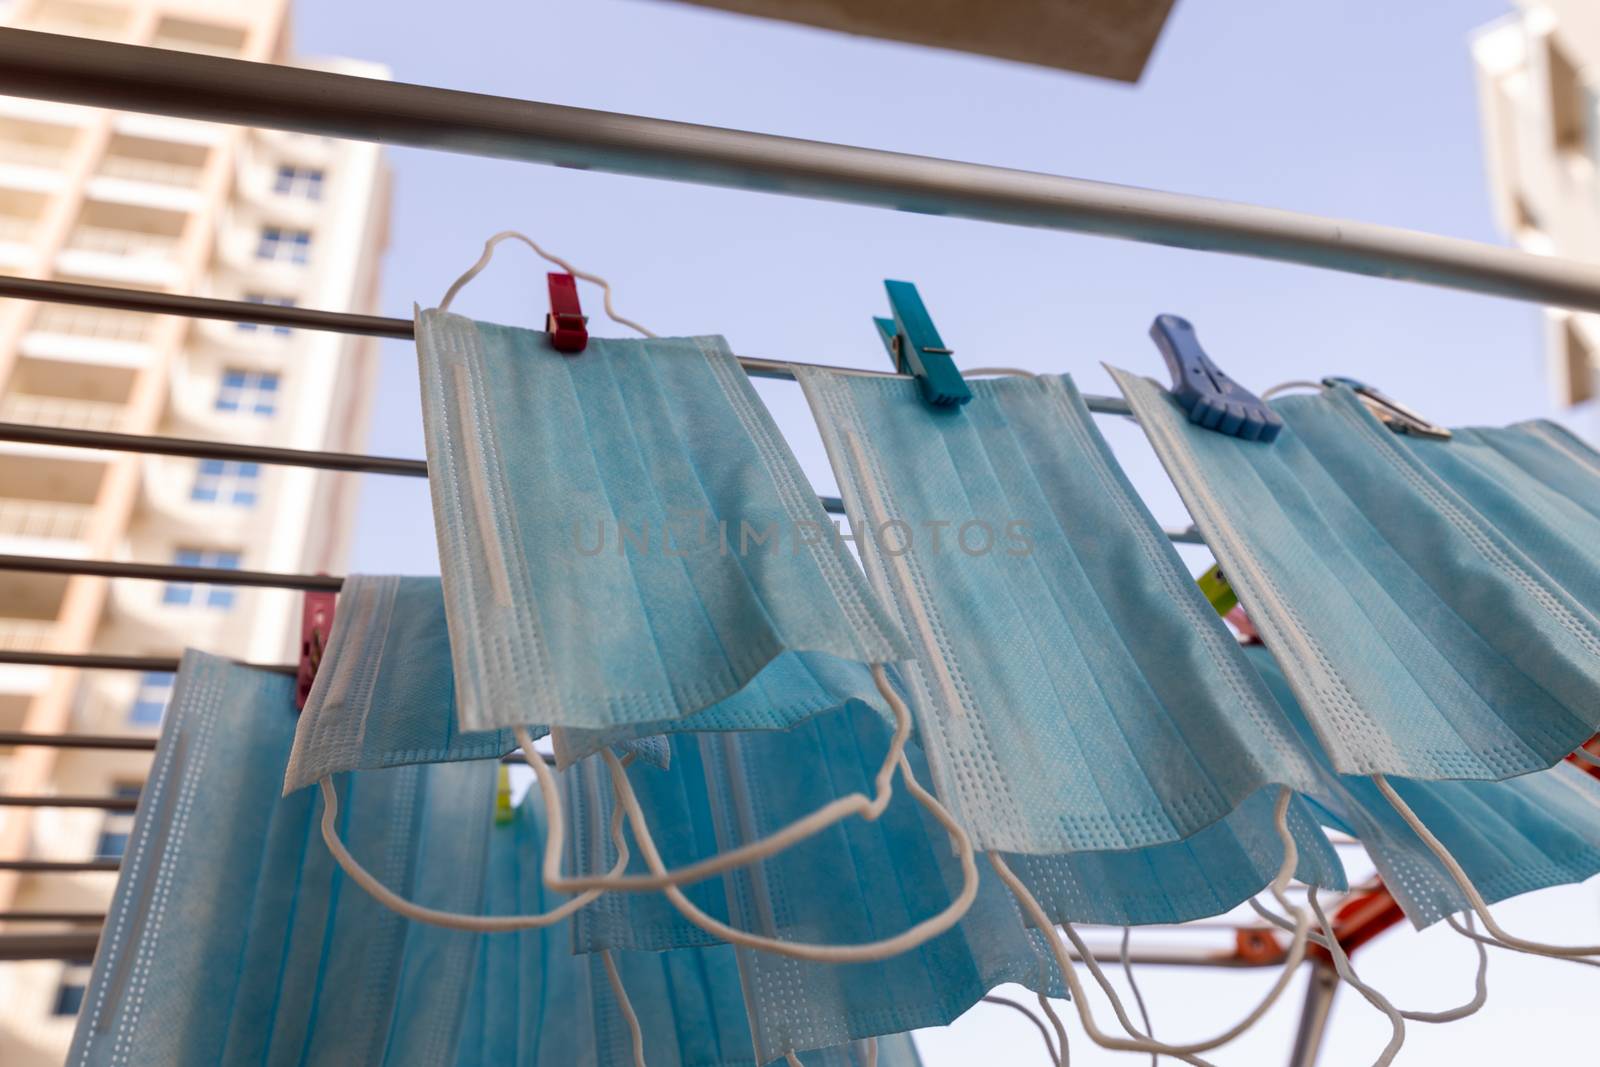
(299, 181)
(254, 392)
(220, 597)
(150, 699)
(262, 298)
(280, 244)
(226, 482)
(69, 992)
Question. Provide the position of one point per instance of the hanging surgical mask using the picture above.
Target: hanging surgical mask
(232, 937)
(1073, 689)
(624, 536)
(533, 1002)
(1526, 833)
(1420, 641)
(384, 695)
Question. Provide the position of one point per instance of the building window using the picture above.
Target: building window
(69, 993)
(262, 298)
(189, 594)
(299, 181)
(218, 481)
(150, 699)
(284, 245)
(253, 392)
(118, 825)
(1569, 101)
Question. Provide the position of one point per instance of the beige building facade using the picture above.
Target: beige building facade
(1538, 74)
(156, 203)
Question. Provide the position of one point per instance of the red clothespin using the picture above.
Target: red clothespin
(566, 323)
(316, 622)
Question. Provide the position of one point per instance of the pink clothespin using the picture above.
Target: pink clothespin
(316, 622)
(566, 323)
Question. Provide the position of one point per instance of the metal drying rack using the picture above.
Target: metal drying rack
(184, 85)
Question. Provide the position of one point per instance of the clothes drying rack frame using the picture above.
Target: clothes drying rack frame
(209, 88)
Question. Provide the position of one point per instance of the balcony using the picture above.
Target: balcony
(89, 335)
(146, 172)
(64, 413)
(133, 256)
(14, 229)
(27, 635)
(156, 171)
(45, 520)
(33, 154)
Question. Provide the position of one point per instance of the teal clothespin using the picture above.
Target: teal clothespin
(917, 349)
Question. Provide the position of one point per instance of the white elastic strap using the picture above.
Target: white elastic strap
(1141, 1042)
(1061, 1031)
(1282, 387)
(872, 1052)
(488, 254)
(808, 826)
(1138, 997)
(1341, 964)
(792, 1060)
(1039, 1024)
(1473, 935)
(1480, 984)
(1537, 948)
(627, 1007)
(448, 919)
(1586, 756)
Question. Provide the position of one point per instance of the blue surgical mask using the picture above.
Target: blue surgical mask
(227, 898)
(1419, 639)
(1526, 833)
(534, 1003)
(385, 692)
(624, 536)
(1073, 689)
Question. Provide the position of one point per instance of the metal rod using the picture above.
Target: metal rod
(104, 661)
(59, 866)
(52, 917)
(171, 572)
(106, 296)
(1314, 1016)
(99, 803)
(156, 81)
(71, 945)
(17, 738)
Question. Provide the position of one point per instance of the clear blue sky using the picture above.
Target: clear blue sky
(1365, 110)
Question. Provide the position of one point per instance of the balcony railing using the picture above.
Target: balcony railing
(130, 244)
(48, 519)
(60, 411)
(32, 154)
(27, 635)
(92, 322)
(156, 171)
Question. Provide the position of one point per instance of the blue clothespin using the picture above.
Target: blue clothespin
(1211, 398)
(917, 349)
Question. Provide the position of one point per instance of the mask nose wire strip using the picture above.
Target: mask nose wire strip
(1142, 1043)
(448, 919)
(1480, 984)
(1138, 997)
(805, 827)
(628, 1014)
(865, 952)
(1459, 876)
(488, 254)
(1044, 1031)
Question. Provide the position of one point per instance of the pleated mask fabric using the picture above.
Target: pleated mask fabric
(624, 536)
(1420, 641)
(533, 1003)
(385, 693)
(1512, 837)
(1073, 690)
(232, 938)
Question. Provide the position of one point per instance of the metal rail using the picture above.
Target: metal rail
(157, 81)
(10, 800)
(103, 742)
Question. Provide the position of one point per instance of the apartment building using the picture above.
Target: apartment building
(156, 203)
(1538, 70)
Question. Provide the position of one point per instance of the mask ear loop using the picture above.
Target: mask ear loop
(1470, 933)
(1464, 883)
(1138, 997)
(628, 1013)
(512, 235)
(807, 826)
(1341, 964)
(1480, 993)
(1039, 1024)
(1586, 756)
(865, 952)
(448, 919)
(1140, 1042)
